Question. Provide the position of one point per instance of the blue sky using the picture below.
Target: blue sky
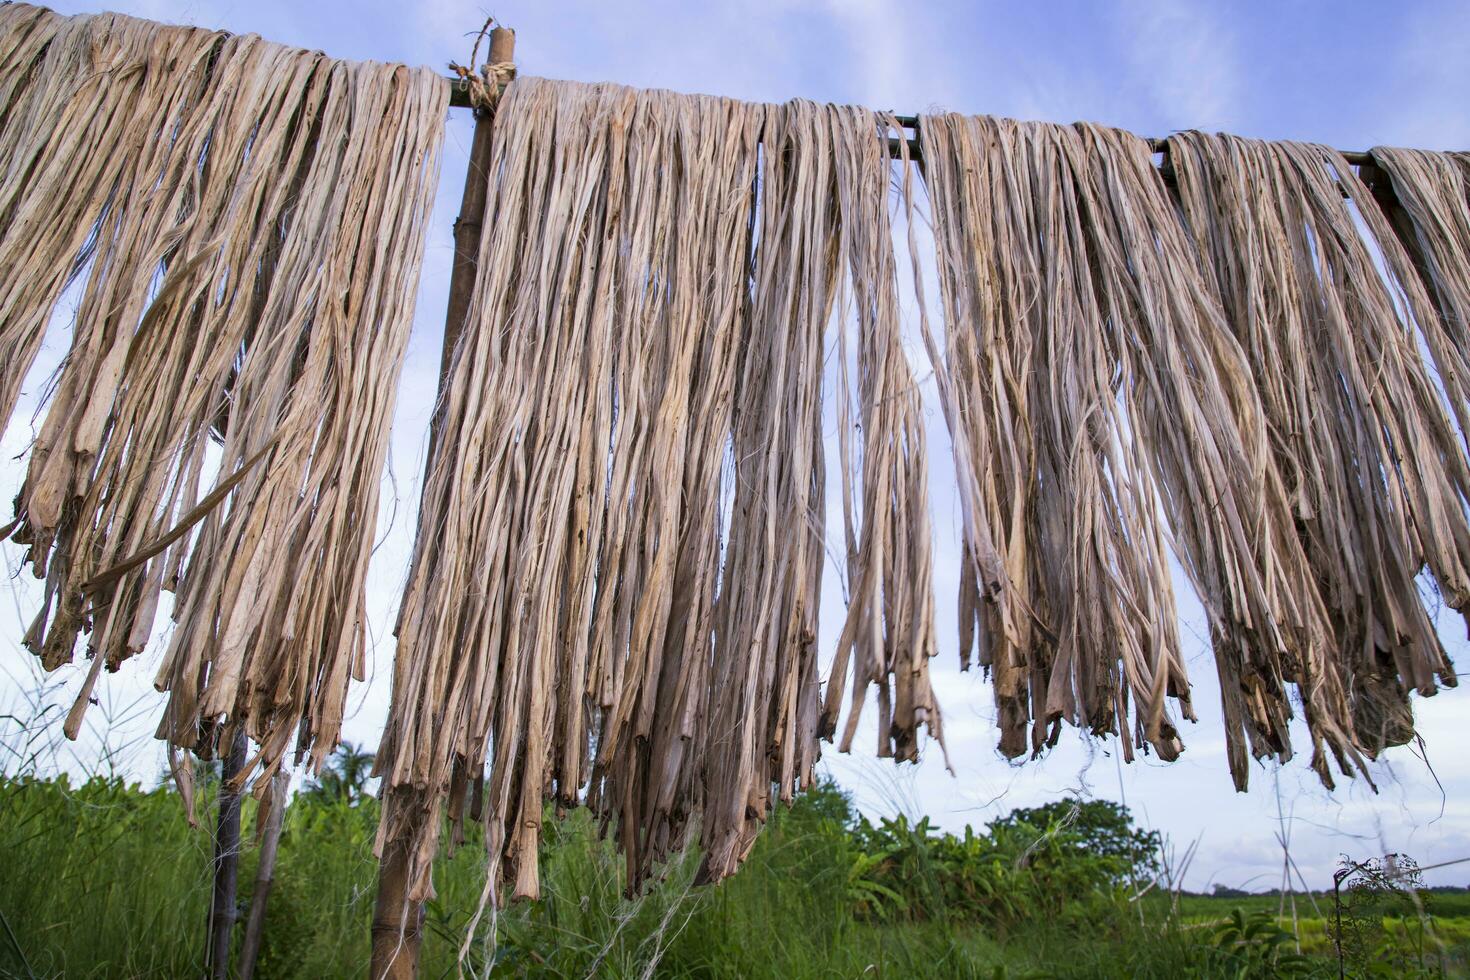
(1352, 75)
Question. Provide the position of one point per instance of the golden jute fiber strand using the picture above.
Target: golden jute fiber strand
(247, 223)
(1103, 415)
(1365, 442)
(615, 588)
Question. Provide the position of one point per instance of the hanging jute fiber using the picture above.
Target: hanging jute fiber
(243, 223)
(615, 588)
(1101, 411)
(1428, 205)
(1327, 305)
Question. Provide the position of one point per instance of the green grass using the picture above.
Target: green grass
(105, 880)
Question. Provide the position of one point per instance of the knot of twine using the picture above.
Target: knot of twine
(484, 87)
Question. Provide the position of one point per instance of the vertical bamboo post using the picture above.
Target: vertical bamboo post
(223, 910)
(398, 922)
(264, 875)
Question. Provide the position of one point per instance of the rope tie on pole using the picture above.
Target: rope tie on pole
(484, 87)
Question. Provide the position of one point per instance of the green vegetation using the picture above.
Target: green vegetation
(103, 879)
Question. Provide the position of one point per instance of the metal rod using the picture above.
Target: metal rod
(914, 152)
(1355, 157)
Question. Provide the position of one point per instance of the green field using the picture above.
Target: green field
(103, 880)
(1445, 932)
(1441, 904)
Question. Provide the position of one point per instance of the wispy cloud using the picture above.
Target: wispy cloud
(1185, 58)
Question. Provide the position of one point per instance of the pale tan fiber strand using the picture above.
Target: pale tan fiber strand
(79, 94)
(247, 223)
(615, 586)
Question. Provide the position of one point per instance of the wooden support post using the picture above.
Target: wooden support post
(222, 910)
(398, 922)
(270, 842)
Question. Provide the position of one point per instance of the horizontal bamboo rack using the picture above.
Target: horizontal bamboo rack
(459, 98)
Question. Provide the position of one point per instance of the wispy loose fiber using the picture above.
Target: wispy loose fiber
(822, 229)
(1373, 464)
(248, 258)
(1093, 393)
(615, 587)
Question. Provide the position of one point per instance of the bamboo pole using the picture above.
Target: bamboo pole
(223, 910)
(398, 922)
(264, 875)
(459, 99)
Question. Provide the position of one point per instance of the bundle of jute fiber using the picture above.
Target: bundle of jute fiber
(614, 592)
(1095, 395)
(824, 186)
(67, 148)
(888, 556)
(248, 261)
(1373, 463)
(1427, 201)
